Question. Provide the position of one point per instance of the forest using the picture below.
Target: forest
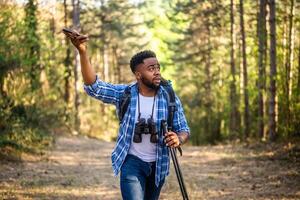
(234, 64)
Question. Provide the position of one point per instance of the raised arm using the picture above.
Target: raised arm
(94, 87)
(80, 42)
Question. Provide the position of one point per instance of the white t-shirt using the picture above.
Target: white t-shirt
(145, 150)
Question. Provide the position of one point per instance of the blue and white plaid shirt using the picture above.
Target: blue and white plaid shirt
(112, 93)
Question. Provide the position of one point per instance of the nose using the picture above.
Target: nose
(157, 71)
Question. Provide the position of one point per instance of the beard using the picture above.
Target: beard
(149, 84)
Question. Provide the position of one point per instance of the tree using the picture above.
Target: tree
(234, 113)
(288, 67)
(273, 72)
(197, 55)
(67, 61)
(31, 41)
(245, 74)
(114, 29)
(76, 24)
(262, 46)
(10, 54)
(298, 82)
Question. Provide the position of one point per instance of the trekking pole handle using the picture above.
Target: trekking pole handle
(165, 130)
(164, 126)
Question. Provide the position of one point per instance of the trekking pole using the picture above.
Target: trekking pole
(176, 165)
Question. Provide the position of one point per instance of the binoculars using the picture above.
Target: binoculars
(143, 127)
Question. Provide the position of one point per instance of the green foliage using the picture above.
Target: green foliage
(32, 45)
(198, 69)
(29, 107)
(192, 42)
(10, 56)
(24, 128)
(117, 31)
(201, 55)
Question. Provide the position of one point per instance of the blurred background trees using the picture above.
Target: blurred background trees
(235, 64)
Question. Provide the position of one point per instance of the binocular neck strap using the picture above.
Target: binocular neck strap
(139, 109)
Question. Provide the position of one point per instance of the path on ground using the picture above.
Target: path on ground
(78, 167)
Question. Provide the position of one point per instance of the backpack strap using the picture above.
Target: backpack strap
(125, 100)
(124, 103)
(171, 103)
(171, 107)
(126, 97)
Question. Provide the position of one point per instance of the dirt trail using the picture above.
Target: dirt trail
(80, 168)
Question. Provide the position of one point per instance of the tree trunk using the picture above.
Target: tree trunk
(288, 68)
(208, 100)
(118, 67)
(298, 82)
(262, 40)
(105, 63)
(272, 100)
(76, 24)
(296, 94)
(234, 122)
(33, 46)
(67, 60)
(245, 74)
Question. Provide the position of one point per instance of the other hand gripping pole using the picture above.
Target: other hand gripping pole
(176, 165)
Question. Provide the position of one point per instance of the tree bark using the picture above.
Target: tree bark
(296, 94)
(288, 67)
(76, 24)
(298, 82)
(245, 74)
(106, 63)
(208, 100)
(262, 46)
(116, 63)
(273, 72)
(234, 122)
(67, 60)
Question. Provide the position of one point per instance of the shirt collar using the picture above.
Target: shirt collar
(135, 89)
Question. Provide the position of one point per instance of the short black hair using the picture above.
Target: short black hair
(139, 58)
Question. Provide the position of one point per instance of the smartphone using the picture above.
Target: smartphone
(66, 30)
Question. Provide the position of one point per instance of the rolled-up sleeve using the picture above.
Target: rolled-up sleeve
(180, 123)
(106, 92)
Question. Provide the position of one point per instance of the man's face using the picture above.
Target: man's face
(149, 73)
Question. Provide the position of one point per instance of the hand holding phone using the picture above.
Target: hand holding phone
(70, 31)
(78, 40)
(73, 33)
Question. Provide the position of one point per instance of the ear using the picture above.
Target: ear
(138, 75)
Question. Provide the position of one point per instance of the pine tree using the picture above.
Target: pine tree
(273, 72)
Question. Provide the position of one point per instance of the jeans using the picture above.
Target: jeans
(138, 180)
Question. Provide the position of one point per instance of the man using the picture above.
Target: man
(142, 159)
